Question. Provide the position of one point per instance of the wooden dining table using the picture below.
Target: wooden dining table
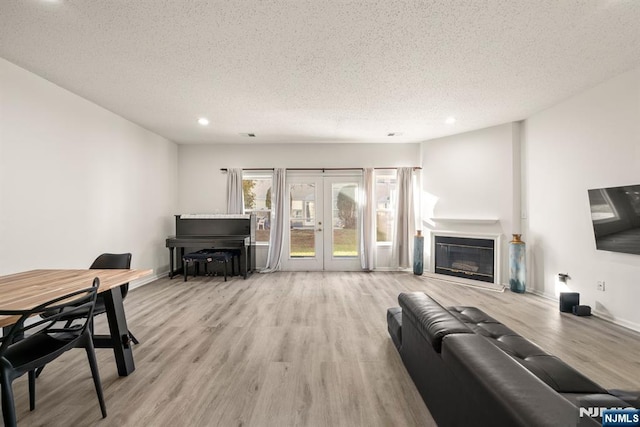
(26, 290)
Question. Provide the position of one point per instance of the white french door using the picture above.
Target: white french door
(322, 226)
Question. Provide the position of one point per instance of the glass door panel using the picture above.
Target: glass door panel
(302, 220)
(303, 230)
(342, 209)
(344, 219)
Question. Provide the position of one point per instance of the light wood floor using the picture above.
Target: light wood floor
(285, 349)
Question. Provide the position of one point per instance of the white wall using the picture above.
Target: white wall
(77, 180)
(589, 141)
(203, 187)
(471, 176)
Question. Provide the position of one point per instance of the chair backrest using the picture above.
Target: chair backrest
(60, 310)
(113, 261)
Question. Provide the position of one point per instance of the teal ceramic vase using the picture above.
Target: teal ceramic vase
(517, 265)
(418, 253)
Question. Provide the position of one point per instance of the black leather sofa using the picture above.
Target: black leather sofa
(472, 370)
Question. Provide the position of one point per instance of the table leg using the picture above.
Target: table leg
(119, 338)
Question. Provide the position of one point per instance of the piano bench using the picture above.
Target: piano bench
(207, 256)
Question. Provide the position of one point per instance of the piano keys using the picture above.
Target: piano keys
(224, 232)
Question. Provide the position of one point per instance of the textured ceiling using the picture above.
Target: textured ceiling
(321, 70)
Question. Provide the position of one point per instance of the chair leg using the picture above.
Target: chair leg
(39, 371)
(32, 390)
(17, 337)
(225, 270)
(133, 338)
(91, 355)
(8, 408)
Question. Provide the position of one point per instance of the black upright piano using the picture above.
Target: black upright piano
(224, 232)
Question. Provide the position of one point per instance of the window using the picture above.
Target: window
(256, 188)
(385, 202)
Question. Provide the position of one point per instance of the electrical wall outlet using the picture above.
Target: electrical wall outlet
(600, 285)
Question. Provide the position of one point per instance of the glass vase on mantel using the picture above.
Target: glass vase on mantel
(517, 265)
(418, 253)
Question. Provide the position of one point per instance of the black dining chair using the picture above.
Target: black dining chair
(43, 340)
(107, 262)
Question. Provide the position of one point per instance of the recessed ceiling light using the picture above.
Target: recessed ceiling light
(450, 120)
(203, 121)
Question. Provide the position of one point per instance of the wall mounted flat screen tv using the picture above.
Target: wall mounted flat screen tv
(615, 213)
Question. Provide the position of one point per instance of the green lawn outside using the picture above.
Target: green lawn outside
(345, 243)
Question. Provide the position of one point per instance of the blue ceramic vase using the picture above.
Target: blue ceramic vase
(517, 265)
(418, 253)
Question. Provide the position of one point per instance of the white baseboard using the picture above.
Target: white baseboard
(542, 294)
(620, 322)
(148, 279)
(396, 269)
(600, 315)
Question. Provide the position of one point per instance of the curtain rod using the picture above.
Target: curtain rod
(317, 169)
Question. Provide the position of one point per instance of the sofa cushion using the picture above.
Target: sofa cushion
(492, 330)
(550, 369)
(558, 375)
(630, 397)
(480, 322)
(431, 319)
(513, 396)
(394, 325)
(591, 405)
(517, 346)
(471, 314)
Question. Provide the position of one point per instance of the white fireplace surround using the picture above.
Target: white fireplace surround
(497, 245)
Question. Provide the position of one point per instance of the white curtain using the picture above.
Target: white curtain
(368, 232)
(276, 238)
(235, 203)
(402, 246)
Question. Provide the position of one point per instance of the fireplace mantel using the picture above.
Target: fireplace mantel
(465, 220)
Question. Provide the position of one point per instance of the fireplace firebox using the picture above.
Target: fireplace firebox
(469, 258)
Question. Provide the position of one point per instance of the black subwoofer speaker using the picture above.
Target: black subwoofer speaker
(568, 300)
(582, 310)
